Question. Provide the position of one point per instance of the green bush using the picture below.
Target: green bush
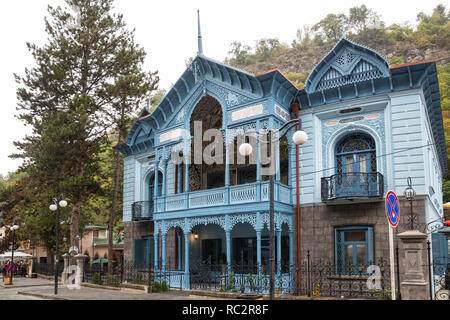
(164, 287)
(156, 287)
(159, 287)
(384, 294)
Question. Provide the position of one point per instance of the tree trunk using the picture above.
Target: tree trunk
(75, 225)
(113, 211)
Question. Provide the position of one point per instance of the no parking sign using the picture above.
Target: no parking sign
(392, 209)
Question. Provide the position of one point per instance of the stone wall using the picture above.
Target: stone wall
(317, 225)
(135, 230)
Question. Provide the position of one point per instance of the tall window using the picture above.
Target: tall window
(353, 249)
(356, 153)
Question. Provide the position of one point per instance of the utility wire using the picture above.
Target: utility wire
(380, 156)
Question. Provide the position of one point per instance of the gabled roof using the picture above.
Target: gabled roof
(347, 62)
(141, 135)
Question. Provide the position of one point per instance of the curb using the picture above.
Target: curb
(37, 295)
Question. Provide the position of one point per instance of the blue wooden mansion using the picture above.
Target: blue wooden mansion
(370, 126)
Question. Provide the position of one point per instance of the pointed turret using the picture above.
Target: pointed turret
(200, 44)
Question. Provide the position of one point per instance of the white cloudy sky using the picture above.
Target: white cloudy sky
(168, 32)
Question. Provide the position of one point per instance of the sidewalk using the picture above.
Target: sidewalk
(26, 282)
(85, 293)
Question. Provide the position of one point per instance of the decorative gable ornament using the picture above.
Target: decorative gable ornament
(347, 63)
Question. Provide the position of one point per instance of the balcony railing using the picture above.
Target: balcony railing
(142, 210)
(352, 185)
(240, 194)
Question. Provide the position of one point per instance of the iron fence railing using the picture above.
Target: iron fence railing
(47, 269)
(440, 268)
(312, 278)
(352, 185)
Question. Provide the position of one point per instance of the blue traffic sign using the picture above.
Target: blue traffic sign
(392, 209)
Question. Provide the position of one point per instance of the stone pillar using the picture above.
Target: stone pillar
(414, 285)
(80, 258)
(66, 258)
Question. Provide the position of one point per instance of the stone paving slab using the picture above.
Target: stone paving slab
(85, 293)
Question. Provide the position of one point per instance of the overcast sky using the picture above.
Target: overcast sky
(168, 32)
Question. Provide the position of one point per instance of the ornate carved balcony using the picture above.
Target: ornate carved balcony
(233, 195)
(142, 210)
(352, 185)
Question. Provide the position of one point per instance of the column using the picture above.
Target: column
(155, 191)
(227, 163)
(164, 182)
(291, 248)
(186, 261)
(64, 275)
(186, 182)
(228, 236)
(163, 252)
(164, 185)
(278, 251)
(258, 154)
(227, 172)
(156, 253)
(179, 187)
(258, 250)
(278, 174)
(80, 258)
(179, 251)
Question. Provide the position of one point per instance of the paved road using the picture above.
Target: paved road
(12, 293)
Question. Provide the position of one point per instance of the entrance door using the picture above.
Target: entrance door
(211, 250)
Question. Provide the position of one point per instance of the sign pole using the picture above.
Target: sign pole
(392, 263)
(393, 216)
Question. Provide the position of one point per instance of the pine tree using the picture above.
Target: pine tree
(87, 74)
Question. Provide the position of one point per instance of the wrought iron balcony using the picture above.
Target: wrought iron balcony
(352, 185)
(142, 210)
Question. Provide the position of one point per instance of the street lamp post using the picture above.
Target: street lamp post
(410, 194)
(13, 228)
(299, 138)
(55, 207)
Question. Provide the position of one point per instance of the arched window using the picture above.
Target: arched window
(356, 154)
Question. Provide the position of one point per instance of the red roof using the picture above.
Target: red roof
(411, 64)
(147, 116)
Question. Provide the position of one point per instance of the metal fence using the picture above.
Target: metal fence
(48, 269)
(441, 271)
(317, 278)
(313, 277)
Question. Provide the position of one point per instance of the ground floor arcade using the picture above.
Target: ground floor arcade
(231, 242)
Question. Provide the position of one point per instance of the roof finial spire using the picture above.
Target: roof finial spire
(200, 44)
(342, 27)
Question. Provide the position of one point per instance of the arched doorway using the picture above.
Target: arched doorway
(202, 176)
